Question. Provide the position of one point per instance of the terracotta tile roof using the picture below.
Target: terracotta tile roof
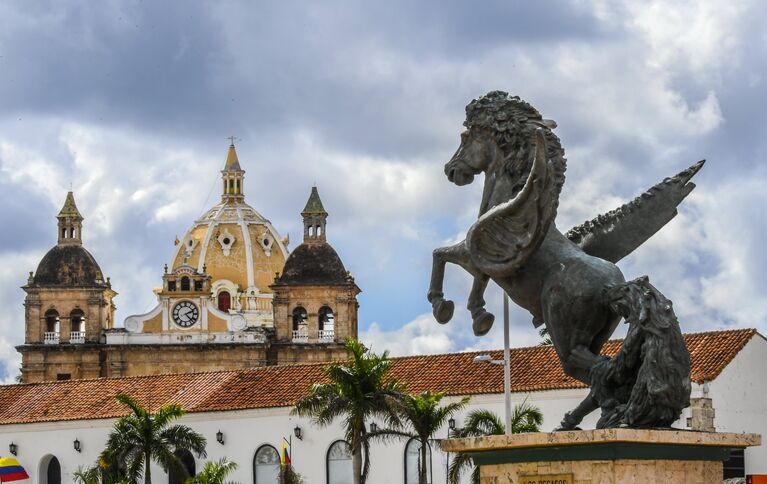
(533, 369)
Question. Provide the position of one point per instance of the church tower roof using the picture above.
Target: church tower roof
(314, 204)
(70, 208)
(232, 163)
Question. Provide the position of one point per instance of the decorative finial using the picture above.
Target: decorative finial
(166, 268)
(232, 139)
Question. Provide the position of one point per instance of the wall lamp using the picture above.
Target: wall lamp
(374, 427)
(298, 433)
(13, 448)
(77, 445)
(220, 437)
(451, 423)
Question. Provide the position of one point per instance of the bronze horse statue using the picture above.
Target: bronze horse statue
(561, 279)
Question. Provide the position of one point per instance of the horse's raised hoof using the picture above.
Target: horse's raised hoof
(443, 310)
(482, 323)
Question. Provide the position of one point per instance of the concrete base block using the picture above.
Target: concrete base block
(609, 456)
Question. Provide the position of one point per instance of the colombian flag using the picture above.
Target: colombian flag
(285, 457)
(11, 470)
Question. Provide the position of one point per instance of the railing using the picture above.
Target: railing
(326, 335)
(77, 337)
(300, 336)
(51, 337)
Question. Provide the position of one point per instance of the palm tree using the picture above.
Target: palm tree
(421, 416)
(358, 389)
(95, 475)
(214, 472)
(143, 437)
(524, 418)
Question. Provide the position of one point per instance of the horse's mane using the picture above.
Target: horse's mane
(513, 122)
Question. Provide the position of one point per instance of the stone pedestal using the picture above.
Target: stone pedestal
(609, 456)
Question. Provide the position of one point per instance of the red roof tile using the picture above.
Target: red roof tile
(533, 369)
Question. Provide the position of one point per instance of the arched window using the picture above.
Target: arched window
(266, 465)
(319, 230)
(299, 318)
(64, 233)
(184, 283)
(413, 461)
(51, 321)
(50, 470)
(187, 462)
(77, 320)
(326, 321)
(224, 301)
(339, 463)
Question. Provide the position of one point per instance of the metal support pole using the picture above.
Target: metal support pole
(506, 363)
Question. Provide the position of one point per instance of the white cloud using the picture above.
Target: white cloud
(420, 336)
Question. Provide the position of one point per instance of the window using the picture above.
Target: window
(266, 465)
(171, 285)
(184, 283)
(736, 465)
(63, 376)
(339, 463)
(50, 470)
(187, 463)
(77, 320)
(198, 286)
(326, 320)
(224, 301)
(51, 321)
(299, 318)
(413, 462)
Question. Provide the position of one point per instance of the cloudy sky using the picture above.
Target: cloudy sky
(131, 102)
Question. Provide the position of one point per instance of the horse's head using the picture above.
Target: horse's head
(499, 138)
(477, 150)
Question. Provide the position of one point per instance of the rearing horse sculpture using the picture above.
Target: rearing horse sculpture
(560, 279)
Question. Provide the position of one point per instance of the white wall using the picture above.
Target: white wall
(738, 396)
(245, 431)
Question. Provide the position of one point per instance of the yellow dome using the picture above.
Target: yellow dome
(233, 242)
(220, 272)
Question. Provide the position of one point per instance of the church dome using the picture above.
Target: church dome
(233, 243)
(68, 265)
(313, 264)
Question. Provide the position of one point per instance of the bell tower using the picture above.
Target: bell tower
(70, 222)
(68, 306)
(315, 297)
(315, 219)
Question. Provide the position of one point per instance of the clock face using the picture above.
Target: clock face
(185, 314)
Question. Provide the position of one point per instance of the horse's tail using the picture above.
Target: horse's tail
(615, 234)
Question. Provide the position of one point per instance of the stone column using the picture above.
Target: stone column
(702, 415)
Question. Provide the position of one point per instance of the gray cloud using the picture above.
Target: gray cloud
(131, 102)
